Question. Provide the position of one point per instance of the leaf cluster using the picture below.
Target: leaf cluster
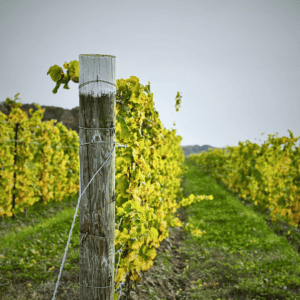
(267, 175)
(34, 153)
(57, 74)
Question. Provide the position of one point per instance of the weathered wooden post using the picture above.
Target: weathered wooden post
(97, 114)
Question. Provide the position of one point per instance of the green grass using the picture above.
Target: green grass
(30, 246)
(241, 255)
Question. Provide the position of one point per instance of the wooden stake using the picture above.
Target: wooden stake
(97, 109)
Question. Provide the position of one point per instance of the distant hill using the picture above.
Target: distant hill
(70, 119)
(196, 149)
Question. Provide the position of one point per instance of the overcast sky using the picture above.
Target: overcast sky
(236, 63)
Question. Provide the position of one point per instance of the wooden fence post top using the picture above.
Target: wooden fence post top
(96, 79)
